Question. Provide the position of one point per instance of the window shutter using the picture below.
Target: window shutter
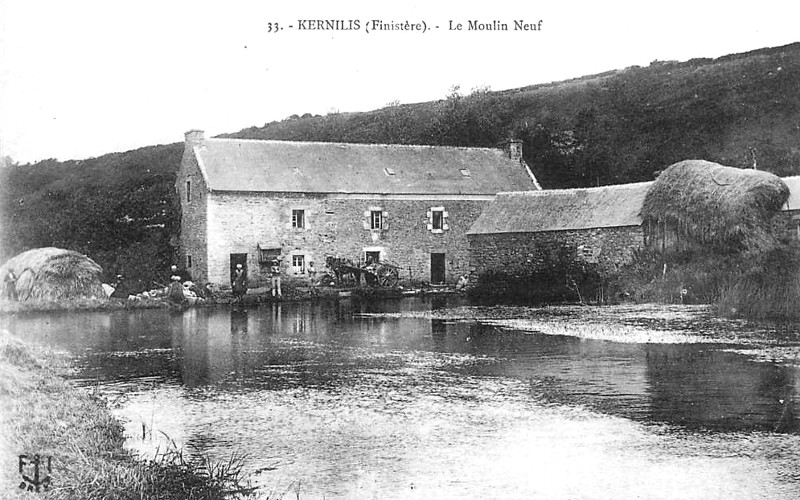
(384, 224)
(429, 214)
(445, 214)
(429, 226)
(365, 223)
(366, 213)
(445, 227)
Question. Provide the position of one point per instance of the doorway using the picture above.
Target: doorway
(437, 268)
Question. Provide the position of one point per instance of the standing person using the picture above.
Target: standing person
(175, 289)
(239, 283)
(312, 277)
(275, 271)
(10, 280)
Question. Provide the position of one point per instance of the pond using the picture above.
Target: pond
(434, 398)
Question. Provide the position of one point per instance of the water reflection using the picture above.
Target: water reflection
(707, 388)
(366, 406)
(284, 346)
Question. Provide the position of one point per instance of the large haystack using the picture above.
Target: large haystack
(714, 205)
(55, 274)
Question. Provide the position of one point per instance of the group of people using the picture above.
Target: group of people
(239, 280)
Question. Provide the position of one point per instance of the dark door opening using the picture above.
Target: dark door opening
(437, 268)
(372, 257)
(238, 258)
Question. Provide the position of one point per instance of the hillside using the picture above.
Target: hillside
(619, 126)
(615, 127)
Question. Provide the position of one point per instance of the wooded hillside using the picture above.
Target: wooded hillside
(620, 126)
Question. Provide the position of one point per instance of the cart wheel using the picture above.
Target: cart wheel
(387, 276)
(326, 280)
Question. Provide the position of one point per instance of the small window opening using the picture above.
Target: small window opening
(298, 219)
(376, 219)
(299, 264)
(437, 219)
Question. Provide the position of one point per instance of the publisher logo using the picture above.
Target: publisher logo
(35, 472)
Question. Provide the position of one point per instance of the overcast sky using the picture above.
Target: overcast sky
(83, 78)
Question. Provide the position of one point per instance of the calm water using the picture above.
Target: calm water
(332, 403)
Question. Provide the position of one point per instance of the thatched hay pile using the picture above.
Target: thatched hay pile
(716, 206)
(55, 274)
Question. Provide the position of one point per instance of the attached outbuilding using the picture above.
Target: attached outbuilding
(521, 232)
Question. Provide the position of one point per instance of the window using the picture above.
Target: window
(376, 219)
(188, 261)
(298, 219)
(268, 251)
(587, 253)
(437, 218)
(299, 264)
(188, 191)
(372, 257)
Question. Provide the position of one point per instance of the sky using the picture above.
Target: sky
(83, 78)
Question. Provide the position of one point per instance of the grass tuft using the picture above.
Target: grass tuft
(45, 415)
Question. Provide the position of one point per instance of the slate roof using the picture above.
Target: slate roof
(793, 203)
(563, 209)
(318, 167)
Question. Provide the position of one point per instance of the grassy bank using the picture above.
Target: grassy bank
(43, 414)
(754, 285)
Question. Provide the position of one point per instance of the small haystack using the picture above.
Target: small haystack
(55, 274)
(714, 205)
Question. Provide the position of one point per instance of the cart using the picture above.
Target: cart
(384, 274)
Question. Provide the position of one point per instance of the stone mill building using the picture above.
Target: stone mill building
(251, 201)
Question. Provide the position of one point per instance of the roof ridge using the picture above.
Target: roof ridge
(359, 144)
(544, 192)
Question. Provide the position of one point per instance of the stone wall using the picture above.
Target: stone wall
(520, 254)
(193, 239)
(335, 225)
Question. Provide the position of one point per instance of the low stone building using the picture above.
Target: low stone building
(789, 219)
(251, 201)
(520, 232)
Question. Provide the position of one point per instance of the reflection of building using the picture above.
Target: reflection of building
(249, 201)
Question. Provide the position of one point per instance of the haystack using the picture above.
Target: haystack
(55, 274)
(716, 206)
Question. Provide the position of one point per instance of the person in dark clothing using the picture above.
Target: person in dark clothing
(239, 282)
(175, 289)
(183, 274)
(120, 288)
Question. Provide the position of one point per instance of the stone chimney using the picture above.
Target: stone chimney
(513, 148)
(194, 138)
